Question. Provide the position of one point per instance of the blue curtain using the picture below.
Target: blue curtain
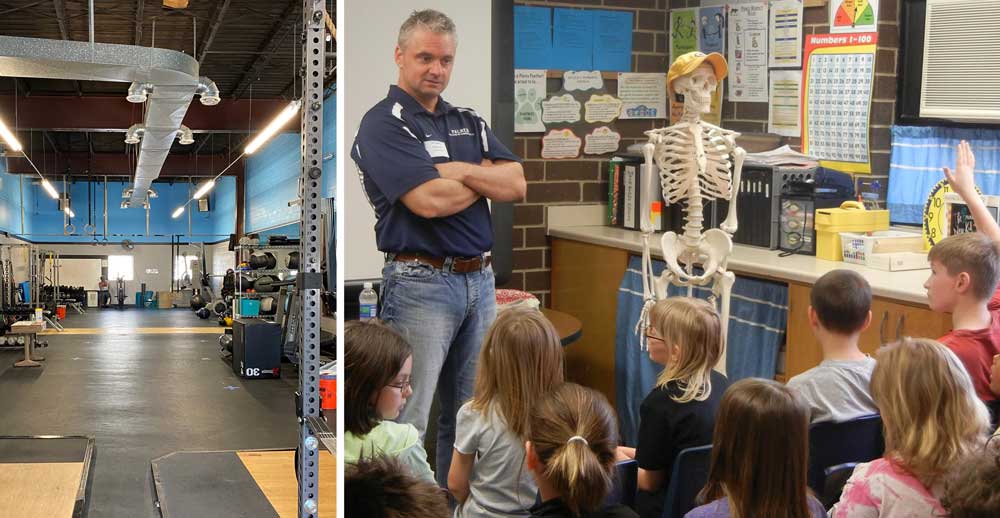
(918, 155)
(758, 313)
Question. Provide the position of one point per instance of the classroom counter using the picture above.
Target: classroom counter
(589, 261)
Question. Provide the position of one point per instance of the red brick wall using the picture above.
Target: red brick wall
(584, 180)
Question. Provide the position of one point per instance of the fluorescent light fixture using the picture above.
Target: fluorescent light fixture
(203, 190)
(9, 137)
(273, 127)
(49, 189)
(69, 212)
(177, 213)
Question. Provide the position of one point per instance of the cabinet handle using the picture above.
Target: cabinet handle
(900, 326)
(881, 327)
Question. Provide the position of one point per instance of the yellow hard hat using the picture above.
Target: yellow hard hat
(687, 63)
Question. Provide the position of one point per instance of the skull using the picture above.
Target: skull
(697, 88)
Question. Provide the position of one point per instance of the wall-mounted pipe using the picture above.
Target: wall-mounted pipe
(208, 92)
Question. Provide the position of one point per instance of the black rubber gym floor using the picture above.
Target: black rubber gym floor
(142, 396)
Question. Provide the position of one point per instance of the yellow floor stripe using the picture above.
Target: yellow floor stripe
(126, 331)
(274, 472)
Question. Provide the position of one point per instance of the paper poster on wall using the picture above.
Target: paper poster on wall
(783, 116)
(853, 16)
(683, 31)
(602, 108)
(836, 97)
(560, 108)
(572, 39)
(561, 143)
(601, 141)
(712, 29)
(613, 40)
(643, 96)
(748, 52)
(529, 91)
(532, 36)
(582, 80)
(786, 34)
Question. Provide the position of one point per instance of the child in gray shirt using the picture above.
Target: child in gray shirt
(838, 388)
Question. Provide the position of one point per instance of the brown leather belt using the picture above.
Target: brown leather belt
(458, 264)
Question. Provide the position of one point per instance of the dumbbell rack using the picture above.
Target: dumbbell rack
(254, 274)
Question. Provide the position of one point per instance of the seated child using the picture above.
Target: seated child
(837, 389)
(377, 367)
(965, 270)
(382, 487)
(932, 422)
(684, 336)
(974, 490)
(521, 359)
(571, 453)
(759, 455)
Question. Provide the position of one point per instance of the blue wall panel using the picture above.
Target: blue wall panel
(329, 188)
(223, 205)
(10, 201)
(272, 180)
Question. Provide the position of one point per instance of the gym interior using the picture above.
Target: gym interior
(153, 206)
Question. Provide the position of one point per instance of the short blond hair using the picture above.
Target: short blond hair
(520, 360)
(694, 326)
(930, 411)
(973, 253)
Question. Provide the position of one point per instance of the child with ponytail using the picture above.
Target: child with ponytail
(571, 452)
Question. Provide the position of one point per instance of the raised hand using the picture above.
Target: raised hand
(961, 179)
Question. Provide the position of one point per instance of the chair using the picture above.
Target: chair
(688, 477)
(625, 483)
(833, 485)
(833, 444)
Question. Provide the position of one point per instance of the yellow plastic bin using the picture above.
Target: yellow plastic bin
(851, 216)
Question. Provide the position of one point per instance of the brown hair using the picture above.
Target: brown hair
(373, 355)
(760, 451)
(382, 487)
(974, 490)
(842, 300)
(930, 412)
(580, 470)
(973, 253)
(694, 326)
(521, 358)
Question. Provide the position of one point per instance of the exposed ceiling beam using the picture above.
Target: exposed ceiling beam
(78, 163)
(52, 142)
(269, 44)
(60, 7)
(139, 7)
(114, 113)
(213, 29)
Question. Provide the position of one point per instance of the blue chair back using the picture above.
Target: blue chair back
(625, 483)
(687, 479)
(833, 444)
(833, 486)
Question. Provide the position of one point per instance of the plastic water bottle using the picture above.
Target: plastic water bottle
(368, 302)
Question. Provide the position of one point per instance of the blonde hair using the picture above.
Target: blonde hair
(580, 470)
(973, 253)
(520, 360)
(930, 411)
(694, 326)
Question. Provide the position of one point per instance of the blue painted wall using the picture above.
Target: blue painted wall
(10, 201)
(46, 220)
(272, 174)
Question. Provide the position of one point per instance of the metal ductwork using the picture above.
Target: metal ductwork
(166, 79)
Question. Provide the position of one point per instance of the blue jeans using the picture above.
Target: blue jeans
(444, 317)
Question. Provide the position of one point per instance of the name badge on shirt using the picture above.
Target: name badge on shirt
(436, 148)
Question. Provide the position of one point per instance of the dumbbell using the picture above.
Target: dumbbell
(263, 260)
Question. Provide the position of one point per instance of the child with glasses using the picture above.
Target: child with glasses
(685, 336)
(520, 361)
(377, 367)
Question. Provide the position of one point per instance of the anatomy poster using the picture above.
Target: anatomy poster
(853, 16)
(786, 34)
(712, 29)
(748, 52)
(529, 92)
(836, 95)
(683, 32)
(783, 115)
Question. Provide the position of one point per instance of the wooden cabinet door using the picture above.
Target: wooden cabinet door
(893, 320)
(802, 351)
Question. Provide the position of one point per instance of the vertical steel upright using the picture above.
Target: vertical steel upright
(310, 276)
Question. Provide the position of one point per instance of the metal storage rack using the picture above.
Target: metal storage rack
(242, 254)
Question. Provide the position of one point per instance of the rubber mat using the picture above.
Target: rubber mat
(44, 476)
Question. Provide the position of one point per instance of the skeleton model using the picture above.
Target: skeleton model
(696, 162)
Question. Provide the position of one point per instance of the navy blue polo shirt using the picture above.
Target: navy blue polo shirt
(396, 147)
